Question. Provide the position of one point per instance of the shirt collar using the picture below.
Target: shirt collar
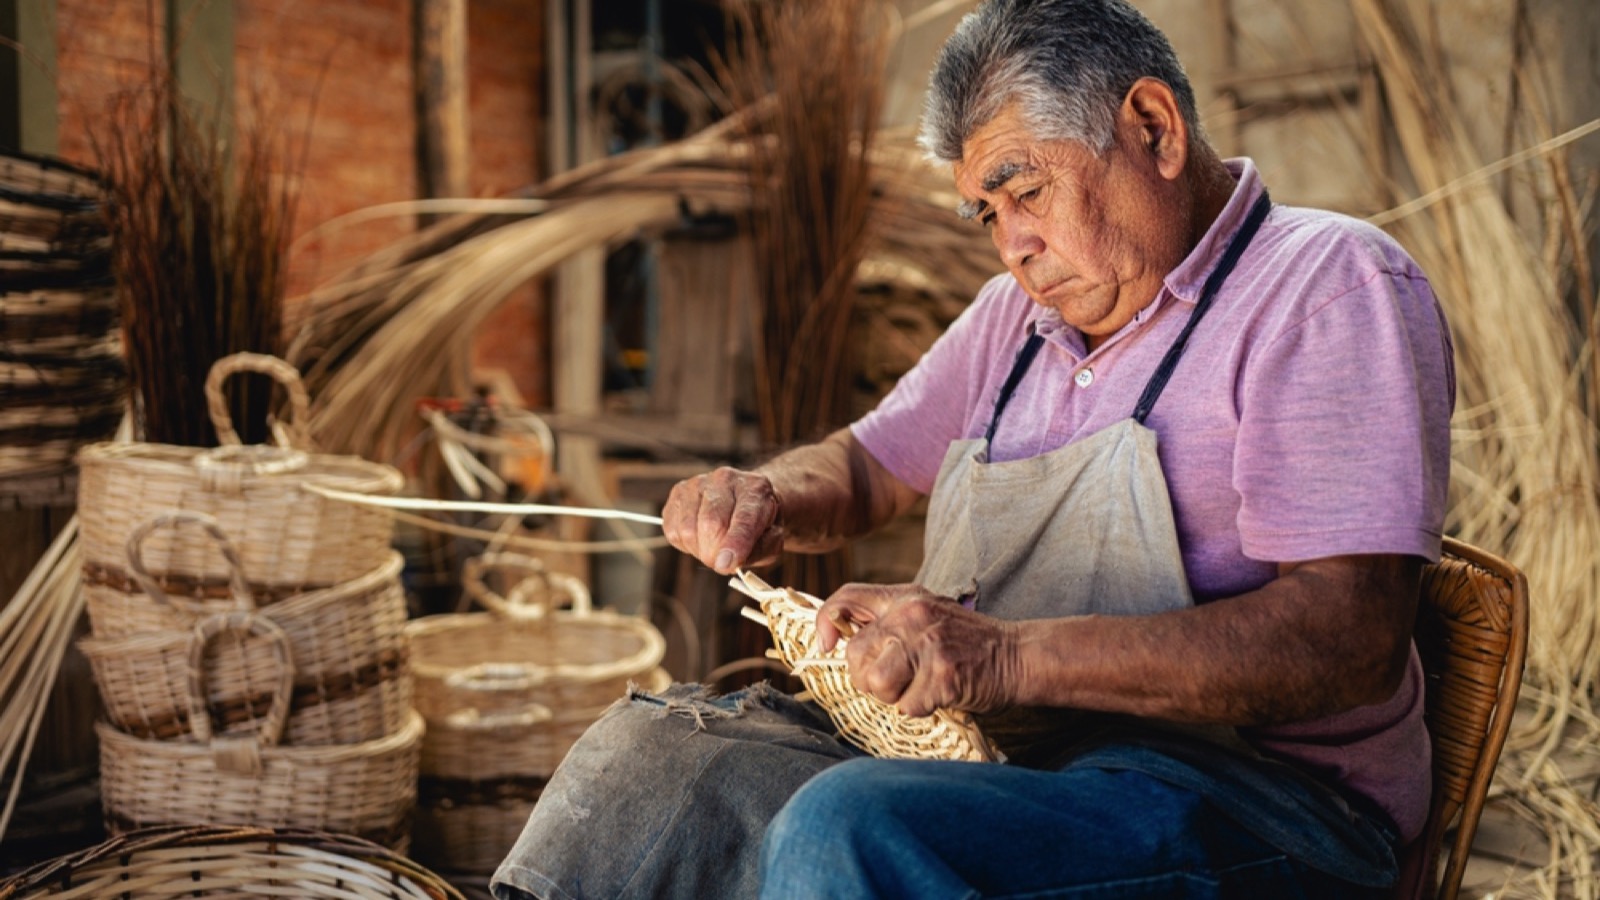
(1189, 277)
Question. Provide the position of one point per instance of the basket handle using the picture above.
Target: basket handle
(294, 431)
(244, 600)
(239, 754)
(491, 677)
(533, 596)
(522, 717)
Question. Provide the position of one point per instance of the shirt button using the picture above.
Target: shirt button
(1084, 378)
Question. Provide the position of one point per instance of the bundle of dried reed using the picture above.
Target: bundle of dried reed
(35, 628)
(200, 221)
(377, 339)
(1526, 466)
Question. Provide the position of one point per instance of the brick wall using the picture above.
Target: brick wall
(339, 72)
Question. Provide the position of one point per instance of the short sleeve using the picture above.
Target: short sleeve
(932, 405)
(1343, 443)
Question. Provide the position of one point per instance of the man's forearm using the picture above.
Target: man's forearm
(1328, 637)
(831, 491)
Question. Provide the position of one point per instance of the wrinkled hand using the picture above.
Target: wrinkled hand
(726, 519)
(920, 651)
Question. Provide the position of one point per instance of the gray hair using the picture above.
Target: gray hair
(1069, 63)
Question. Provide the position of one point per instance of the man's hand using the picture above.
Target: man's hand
(920, 651)
(726, 519)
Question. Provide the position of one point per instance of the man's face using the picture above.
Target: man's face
(1092, 236)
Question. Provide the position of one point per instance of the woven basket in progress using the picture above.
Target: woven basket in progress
(862, 719)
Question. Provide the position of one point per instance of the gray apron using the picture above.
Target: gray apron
(1086, 529)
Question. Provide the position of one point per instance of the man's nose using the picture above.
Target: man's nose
(1016, 240)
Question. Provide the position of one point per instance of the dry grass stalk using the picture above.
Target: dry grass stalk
(1526, 466)
(35, 628)
(200, 241)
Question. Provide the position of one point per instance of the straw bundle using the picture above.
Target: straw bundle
(1526, 466)
(201, 224)
(35, 628)
(377, 340)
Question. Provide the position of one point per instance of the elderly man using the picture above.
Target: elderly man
(1184, 464)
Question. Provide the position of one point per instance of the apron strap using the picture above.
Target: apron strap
(1230, 258)
(1030, 349)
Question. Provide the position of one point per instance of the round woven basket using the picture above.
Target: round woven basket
(367, 789)
(482, 774)
(288, 538)
(344, 646)
(62, 378)
(524, 651)
(216, 861)
(861, 718)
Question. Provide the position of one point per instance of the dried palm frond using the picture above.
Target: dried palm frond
(1526, 462)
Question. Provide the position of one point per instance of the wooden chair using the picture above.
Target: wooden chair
(1472, 635)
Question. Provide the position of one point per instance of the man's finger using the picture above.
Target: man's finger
(884, 670)
(751, 517)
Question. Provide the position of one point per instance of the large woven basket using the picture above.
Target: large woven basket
(367, 789)
(506, 693)
(289, 539)
(861, 718)
(344, 646)
(219, 861)
(482, 774)
(62, 377)
(525, 650)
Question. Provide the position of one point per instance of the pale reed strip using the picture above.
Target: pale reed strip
(505, 539)
(482, 506)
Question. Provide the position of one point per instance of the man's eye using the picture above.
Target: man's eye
(1027, 195)
(987, 220)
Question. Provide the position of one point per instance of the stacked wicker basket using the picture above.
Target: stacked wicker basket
(248, 635)
(505, 693)
(61, 372)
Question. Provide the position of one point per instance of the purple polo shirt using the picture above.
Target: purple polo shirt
(1309, 417)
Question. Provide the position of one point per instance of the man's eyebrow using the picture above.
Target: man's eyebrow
(1004, 173)
(996, 179)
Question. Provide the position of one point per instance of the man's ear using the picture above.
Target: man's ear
(1154, 125)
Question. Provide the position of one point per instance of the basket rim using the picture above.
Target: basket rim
(309, 845)
(176, 460)
(114, 740)
(642, 662)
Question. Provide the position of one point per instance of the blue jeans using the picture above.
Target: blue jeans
(920, 829)
(686, 795)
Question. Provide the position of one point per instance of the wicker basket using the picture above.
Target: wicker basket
(862, 719)
(345, 647)
(481, 776)
(289, 539)
(524, 651)
(215, 861)
(62, 378)
(506, 693)
(367, 789)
